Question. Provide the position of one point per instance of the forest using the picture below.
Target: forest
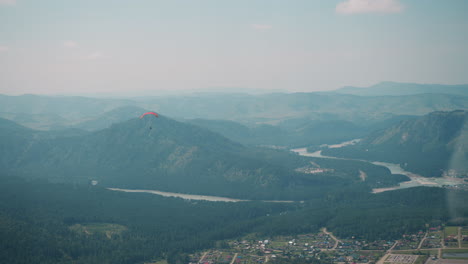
(38, 220)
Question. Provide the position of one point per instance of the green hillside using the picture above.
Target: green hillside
(433, 145)
(166, 155)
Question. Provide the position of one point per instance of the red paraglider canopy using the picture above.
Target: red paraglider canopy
(149, 113)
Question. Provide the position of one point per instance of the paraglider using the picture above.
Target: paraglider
(149, 113)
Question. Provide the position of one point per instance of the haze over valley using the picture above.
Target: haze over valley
(233, 132)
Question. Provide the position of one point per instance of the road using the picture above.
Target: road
(422, 241)
(382, 259)
(233, 258)
(324, 230)
(442, 240)
(201, 259)
(459, 237)
(390, 249)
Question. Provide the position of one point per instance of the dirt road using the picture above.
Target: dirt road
(422, 241)
(201, 259)
(324, 230)
(233, 258)
(459, 237)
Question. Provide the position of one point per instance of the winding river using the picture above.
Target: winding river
(181, 195)
(415, 179)
(194, 196)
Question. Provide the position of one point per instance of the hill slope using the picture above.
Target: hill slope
(157, 153)
(432, 145)
(163, 154)
(108, 118)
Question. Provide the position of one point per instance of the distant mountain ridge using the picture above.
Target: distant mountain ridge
(42, 112)
(399, 89)
(105, 120)
(302, 133)
(433, 145)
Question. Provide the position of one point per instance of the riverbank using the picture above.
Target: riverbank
(415, 179)
(195, 196)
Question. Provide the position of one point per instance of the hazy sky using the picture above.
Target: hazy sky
(85, 46)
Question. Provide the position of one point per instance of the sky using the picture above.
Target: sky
(139, 46)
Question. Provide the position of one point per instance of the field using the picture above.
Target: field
(450, 231)
(450, 236)
(106, 229)
(464, 233)
(455, 253)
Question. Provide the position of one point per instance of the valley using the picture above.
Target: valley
(293, 188)
(415, 180)
(233, 132)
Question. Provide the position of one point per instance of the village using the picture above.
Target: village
(436, 245)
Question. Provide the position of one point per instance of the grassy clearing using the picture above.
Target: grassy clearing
(455, 250)
(459, 251)
(464, 231)
(107, 229)
(277, 244)
(450, 231)
(465, 256)
(421, 260)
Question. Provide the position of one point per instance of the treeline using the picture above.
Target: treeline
(388, 215)
(36, 219)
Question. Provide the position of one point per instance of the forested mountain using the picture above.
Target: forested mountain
(108, 118)
(148, 152)
(433, 145)
(57, 216)
(398, 89)
(275, 108)
(305, 132)
(216, 132)
(163, 154)
(45, 112)
(42, 112)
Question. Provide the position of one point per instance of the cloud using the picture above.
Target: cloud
(94, 56)
(3, 48)
(70, 44)
(261, 27)
(7, 2)
(369, 6)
